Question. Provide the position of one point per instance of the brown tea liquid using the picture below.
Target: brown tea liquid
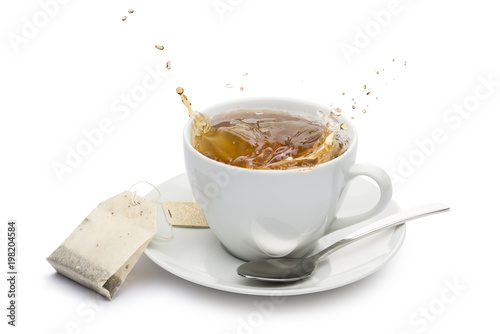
(267, 139)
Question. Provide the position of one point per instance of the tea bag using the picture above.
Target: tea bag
(102, 250)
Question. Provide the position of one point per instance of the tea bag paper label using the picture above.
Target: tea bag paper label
(102, 250)
(184, 214)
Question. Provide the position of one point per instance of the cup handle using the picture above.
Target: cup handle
(384, 183)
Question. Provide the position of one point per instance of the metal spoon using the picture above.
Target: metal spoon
(290, 269)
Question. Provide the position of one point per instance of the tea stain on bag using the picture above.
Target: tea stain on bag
(103, 249)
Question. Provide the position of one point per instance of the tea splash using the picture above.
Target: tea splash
(267, 139)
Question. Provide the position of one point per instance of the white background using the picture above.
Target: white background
(74, 68)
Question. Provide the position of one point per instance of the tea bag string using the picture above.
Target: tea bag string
(135, 192)
(155, 201)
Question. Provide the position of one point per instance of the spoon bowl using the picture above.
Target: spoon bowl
(278, 270)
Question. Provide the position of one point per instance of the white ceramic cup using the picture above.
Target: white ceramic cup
(260, 214)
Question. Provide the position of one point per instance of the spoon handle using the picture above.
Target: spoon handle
(390, 221)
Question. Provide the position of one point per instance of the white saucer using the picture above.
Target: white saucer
(197, 256)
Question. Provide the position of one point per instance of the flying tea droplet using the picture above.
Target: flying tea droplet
(241, 89)
(124, 18)
(336, 112)
(159, 47)
(169, 65)
(343, 126)
(228, 85)
(130, 10)
(185, 101)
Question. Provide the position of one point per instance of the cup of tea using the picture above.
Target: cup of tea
(259, 193)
